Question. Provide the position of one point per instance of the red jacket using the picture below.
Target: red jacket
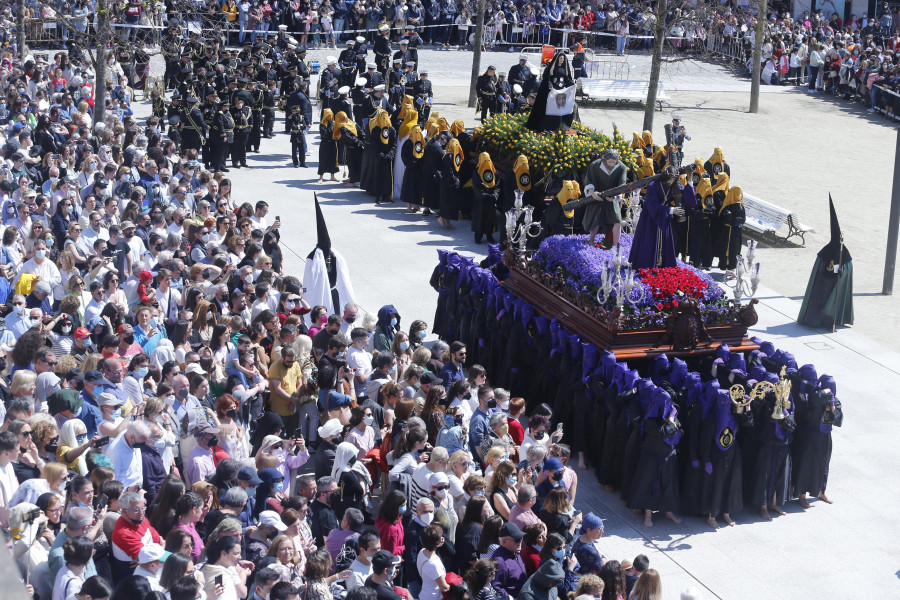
(531, 558)
(128, 538)
(391, 536)
(516, 432)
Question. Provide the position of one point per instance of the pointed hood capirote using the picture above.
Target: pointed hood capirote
(457, 127)
(409, 121)
(835, 251)
(735, 196)
(717, 160)
(323, 240)
(383, 122)
(523, 175)
(486, 171)
(418, 141)
(327, 117)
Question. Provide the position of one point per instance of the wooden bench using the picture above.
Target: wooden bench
(767, 218)
(621, 90)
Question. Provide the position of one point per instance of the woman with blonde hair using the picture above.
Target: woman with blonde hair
(647, 587)
(73, 232)
(287, 559)
(210, 495)
(73, 443)
(35, 233)
(588, 585)
(204, 321)
(53, 479)
(23, 384)
(492, 459)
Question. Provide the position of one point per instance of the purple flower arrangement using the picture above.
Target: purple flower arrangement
(582, 265)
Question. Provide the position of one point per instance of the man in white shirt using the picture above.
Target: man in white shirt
(350, 316)
(17, 321)
(369, 545)
(126, 456)
(131, 284)
(200, 463)
(359, 359)
(92, 232)
(136, 245)
(169, 299)
(9, 452)
(41, 266)
(95, 306)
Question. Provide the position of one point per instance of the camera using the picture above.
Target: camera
(101, 442)
(32, 514)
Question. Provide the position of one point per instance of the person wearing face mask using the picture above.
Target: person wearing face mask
(201, 463)
(499, 435)
(480, 422)
(552, 572)
(538, 426)
(17, 322)
(412, 542)
(387, 326)
(61, 334)
(113, 424)
(368, 545)
(385, 568)
(42, 267)
(550, 478)
(132, 532)
(291, 454)
(124, 452)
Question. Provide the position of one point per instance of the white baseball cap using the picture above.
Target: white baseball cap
(272, 519)
(152, 552)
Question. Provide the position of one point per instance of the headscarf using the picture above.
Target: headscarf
(417, 140)
(486, 171)
(385, 314)
(523, 175)
(266, 425)
(457, 127)
(327, 117)
(340, 120)
(735, 196)
(571, 190)
(343, 456)
(454, 149)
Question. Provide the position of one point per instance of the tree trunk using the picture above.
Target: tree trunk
(20, 28)
(100, 53)
(757, 55)
(659, 38)
(476, 53)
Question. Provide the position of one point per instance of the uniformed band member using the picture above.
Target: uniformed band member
(383, 49)
(194, 128)
(424, 96)
(297, 127)
(243, 121)
(221, 136)
(486, 88)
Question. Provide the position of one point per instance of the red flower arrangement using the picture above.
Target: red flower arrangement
(669, 283)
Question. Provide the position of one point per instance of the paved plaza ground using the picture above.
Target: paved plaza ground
(793, 153)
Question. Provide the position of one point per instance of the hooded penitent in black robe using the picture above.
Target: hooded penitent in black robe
(449, 207)
(411, 191)
(484, 208)
(811, 450)
(557, 76)
(771, 471)
(431, 174)
(353, 151)
(731, 220)
(656, 479)
(383, 164)
(370, 149)
(328, 150)
(828, 301)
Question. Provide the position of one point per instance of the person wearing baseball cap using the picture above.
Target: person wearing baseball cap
(554, 468)
(385, 566)
(150, 563)
(200, 465)
(511, 573)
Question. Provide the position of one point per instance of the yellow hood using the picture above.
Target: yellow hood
(418, 141)
(703, 188)
(721, 183)
(340, 120)
(735, 196)
(383, 121)
(457, 127)
(645, 167)
(486, 171)
(410, 121)
(571, 190)
(717, 159)
(636, 141)
(444, 125)
(647, 137)
(327, 117)
(455, 149)
(523, 176)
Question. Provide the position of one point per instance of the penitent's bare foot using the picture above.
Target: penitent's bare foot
(671, 516)
(728, 520)
(711, 521)
(777, 510)
(764, 513)
(802, 501)
(648, 522)
(825, 498)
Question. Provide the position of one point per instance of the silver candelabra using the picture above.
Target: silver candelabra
(519, 224)
(617, 276)
(746, 274)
